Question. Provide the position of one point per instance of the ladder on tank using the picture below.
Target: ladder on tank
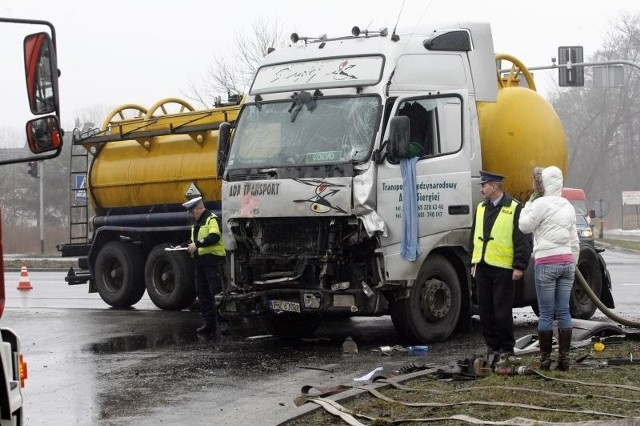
(79, 204)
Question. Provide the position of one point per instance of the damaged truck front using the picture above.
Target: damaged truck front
(315, 194)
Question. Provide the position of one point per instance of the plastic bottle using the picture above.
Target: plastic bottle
(417, 350)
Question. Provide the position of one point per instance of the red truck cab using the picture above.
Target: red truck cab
(44, 140)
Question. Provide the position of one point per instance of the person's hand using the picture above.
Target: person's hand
(473, 271)
(517, 274)
(191, 248)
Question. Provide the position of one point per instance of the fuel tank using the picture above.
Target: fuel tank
(519, 131)
(152, 161)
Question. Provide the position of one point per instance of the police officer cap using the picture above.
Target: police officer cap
(191, 203)
(490, 177)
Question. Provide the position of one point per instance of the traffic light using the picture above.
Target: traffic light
(570, 76)
(33, 168)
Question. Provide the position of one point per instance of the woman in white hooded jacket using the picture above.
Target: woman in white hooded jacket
(552, 220)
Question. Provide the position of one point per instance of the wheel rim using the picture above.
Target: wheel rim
(164, 279)
(114, 275)
(435, 300)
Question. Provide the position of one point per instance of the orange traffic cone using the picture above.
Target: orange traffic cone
(24, 283)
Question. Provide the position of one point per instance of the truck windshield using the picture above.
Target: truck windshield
(325, 131)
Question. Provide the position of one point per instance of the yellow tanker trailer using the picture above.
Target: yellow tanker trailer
(519, 131)
(144, 163)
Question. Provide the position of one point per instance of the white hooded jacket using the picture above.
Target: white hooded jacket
(551, 219)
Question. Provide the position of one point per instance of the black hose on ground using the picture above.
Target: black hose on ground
(585, 286)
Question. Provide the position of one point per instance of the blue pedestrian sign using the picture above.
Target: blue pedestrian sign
(80, 188)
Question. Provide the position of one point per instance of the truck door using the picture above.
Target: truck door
(439, 135)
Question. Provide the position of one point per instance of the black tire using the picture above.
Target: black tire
(291, 326)
(169, 279)
(119, 274)
(580, 305)
(432, 310)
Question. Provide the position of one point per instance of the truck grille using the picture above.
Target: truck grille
(291, 236)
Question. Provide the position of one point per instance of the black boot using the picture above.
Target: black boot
(545, 340)
(564, 345)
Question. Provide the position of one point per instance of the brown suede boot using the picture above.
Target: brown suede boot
(564, 345)
(545, 339)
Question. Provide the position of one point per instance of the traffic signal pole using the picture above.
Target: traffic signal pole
(569, 65)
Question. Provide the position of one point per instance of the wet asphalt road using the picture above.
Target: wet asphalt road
(89, 364)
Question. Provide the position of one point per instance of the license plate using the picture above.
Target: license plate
(284, 305)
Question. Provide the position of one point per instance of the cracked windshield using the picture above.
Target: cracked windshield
(313, 131)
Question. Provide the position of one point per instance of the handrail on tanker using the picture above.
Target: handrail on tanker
(149, 127)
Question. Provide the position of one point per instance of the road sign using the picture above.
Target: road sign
(601, 208)
(608, 76)
(80, 188)
(631, 198)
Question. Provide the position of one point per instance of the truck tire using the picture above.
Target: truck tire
(431, 311)
(291, 326)
(580, 305)
(169, 279)
(119, 274)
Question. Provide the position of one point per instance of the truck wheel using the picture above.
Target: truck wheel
(431, 311)
(580, 305)
(291, 326)
(169, 279)
(119, 275)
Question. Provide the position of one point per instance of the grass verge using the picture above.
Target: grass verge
(629, 245)
(594, 389)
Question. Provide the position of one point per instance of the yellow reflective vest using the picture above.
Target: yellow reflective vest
(210, 226)
(498, 250)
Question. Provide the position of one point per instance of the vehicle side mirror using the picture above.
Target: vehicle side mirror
(41, 71)
(399, 127)
(44, 134)
(224, 139)
(592, 214)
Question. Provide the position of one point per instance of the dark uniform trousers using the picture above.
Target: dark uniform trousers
(208, 284)
(496, 291)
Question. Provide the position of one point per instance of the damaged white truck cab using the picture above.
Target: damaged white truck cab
(44, 139)
(340, 144)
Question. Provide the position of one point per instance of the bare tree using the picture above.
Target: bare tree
(232, 72)
(603, 124)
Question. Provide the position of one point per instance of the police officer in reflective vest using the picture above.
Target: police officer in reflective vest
(207, 248)
(500, 255)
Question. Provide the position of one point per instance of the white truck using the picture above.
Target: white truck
(351, 178)
(44, 139)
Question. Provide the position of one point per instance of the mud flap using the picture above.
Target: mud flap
(605, 295)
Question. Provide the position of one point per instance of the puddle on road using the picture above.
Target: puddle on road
(153, 339)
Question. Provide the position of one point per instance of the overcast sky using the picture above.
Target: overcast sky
(116, 52)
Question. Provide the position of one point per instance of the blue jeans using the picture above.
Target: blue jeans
(553, 288)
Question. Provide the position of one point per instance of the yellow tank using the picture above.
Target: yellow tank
(153, 159)
(519, 131)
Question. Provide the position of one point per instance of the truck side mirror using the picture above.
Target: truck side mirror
(224, 138)
(44, 134)
(592, 213)
(41, 71)
(399, 127)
